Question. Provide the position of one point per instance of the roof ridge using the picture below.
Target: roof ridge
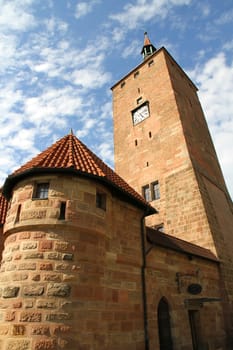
(179, 244)
(69, 153)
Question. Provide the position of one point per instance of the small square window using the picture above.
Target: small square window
(41, 191)
(151, 63)
(136, 74)
(101, 200)
(146, 193)
(155, 190)
(139, 100)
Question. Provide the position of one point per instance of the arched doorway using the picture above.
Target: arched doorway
(164, 327)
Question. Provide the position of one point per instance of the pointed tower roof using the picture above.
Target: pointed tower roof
(147, 49)
(70, 155)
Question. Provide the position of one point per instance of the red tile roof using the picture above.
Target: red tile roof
(3, 208)
(71, 155)
(146, 40)
(162, 239)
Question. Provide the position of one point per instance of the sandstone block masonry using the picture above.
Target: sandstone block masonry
(72, 283)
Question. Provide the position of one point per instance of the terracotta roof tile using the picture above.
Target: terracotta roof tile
(162, 239)
(70, 154)
(3, 208)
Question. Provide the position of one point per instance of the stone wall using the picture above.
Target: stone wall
(73, 283)
(169, 274)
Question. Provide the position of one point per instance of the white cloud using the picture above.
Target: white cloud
(225, 17)
(105, 150)
(8, 51)
(215, 82)
(51, 105)
(145, 10)
(134, 46)
(89, 78)
(84, 7)
(15, 15)
(87, 126)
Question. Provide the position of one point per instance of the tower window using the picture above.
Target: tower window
(139, 100)
(146, 193)
(155, 190)
(136, 74)
(101, 200)
(41, 191)
(150, 63)
(62, 215)
(18, 213)
(122, 84)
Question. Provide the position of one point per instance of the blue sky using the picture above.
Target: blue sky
(58, 60)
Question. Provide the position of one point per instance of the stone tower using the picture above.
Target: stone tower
(170, 157)
(71, 269)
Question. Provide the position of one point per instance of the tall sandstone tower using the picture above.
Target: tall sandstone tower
(163, 149)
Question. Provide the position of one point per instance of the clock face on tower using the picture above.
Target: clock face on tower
(140, 113)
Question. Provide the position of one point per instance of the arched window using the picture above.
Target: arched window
(165, 337)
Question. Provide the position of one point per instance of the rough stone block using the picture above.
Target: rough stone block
(45, 245)
(36, 278)
(24, 235)
(17, 305)
(10, 316)
(58, 290)
(61, 246)
(34, 255)
(27, 266)
(46, 304)
(46, 344)
(46, 266)
(10, 292)
(18, 329)
(40, 330)
(4, 330)
(30, 316)
(54, 256)
(57, 317)
(53, 277)
(29, 245)
(21, 276)
(19, 344)
(15, 247)
(33, 290)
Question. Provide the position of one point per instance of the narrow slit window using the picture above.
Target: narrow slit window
(136, 142)
(62, 215)
(139, 100)
(101, 200)
(150, 63)
(17, 218)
